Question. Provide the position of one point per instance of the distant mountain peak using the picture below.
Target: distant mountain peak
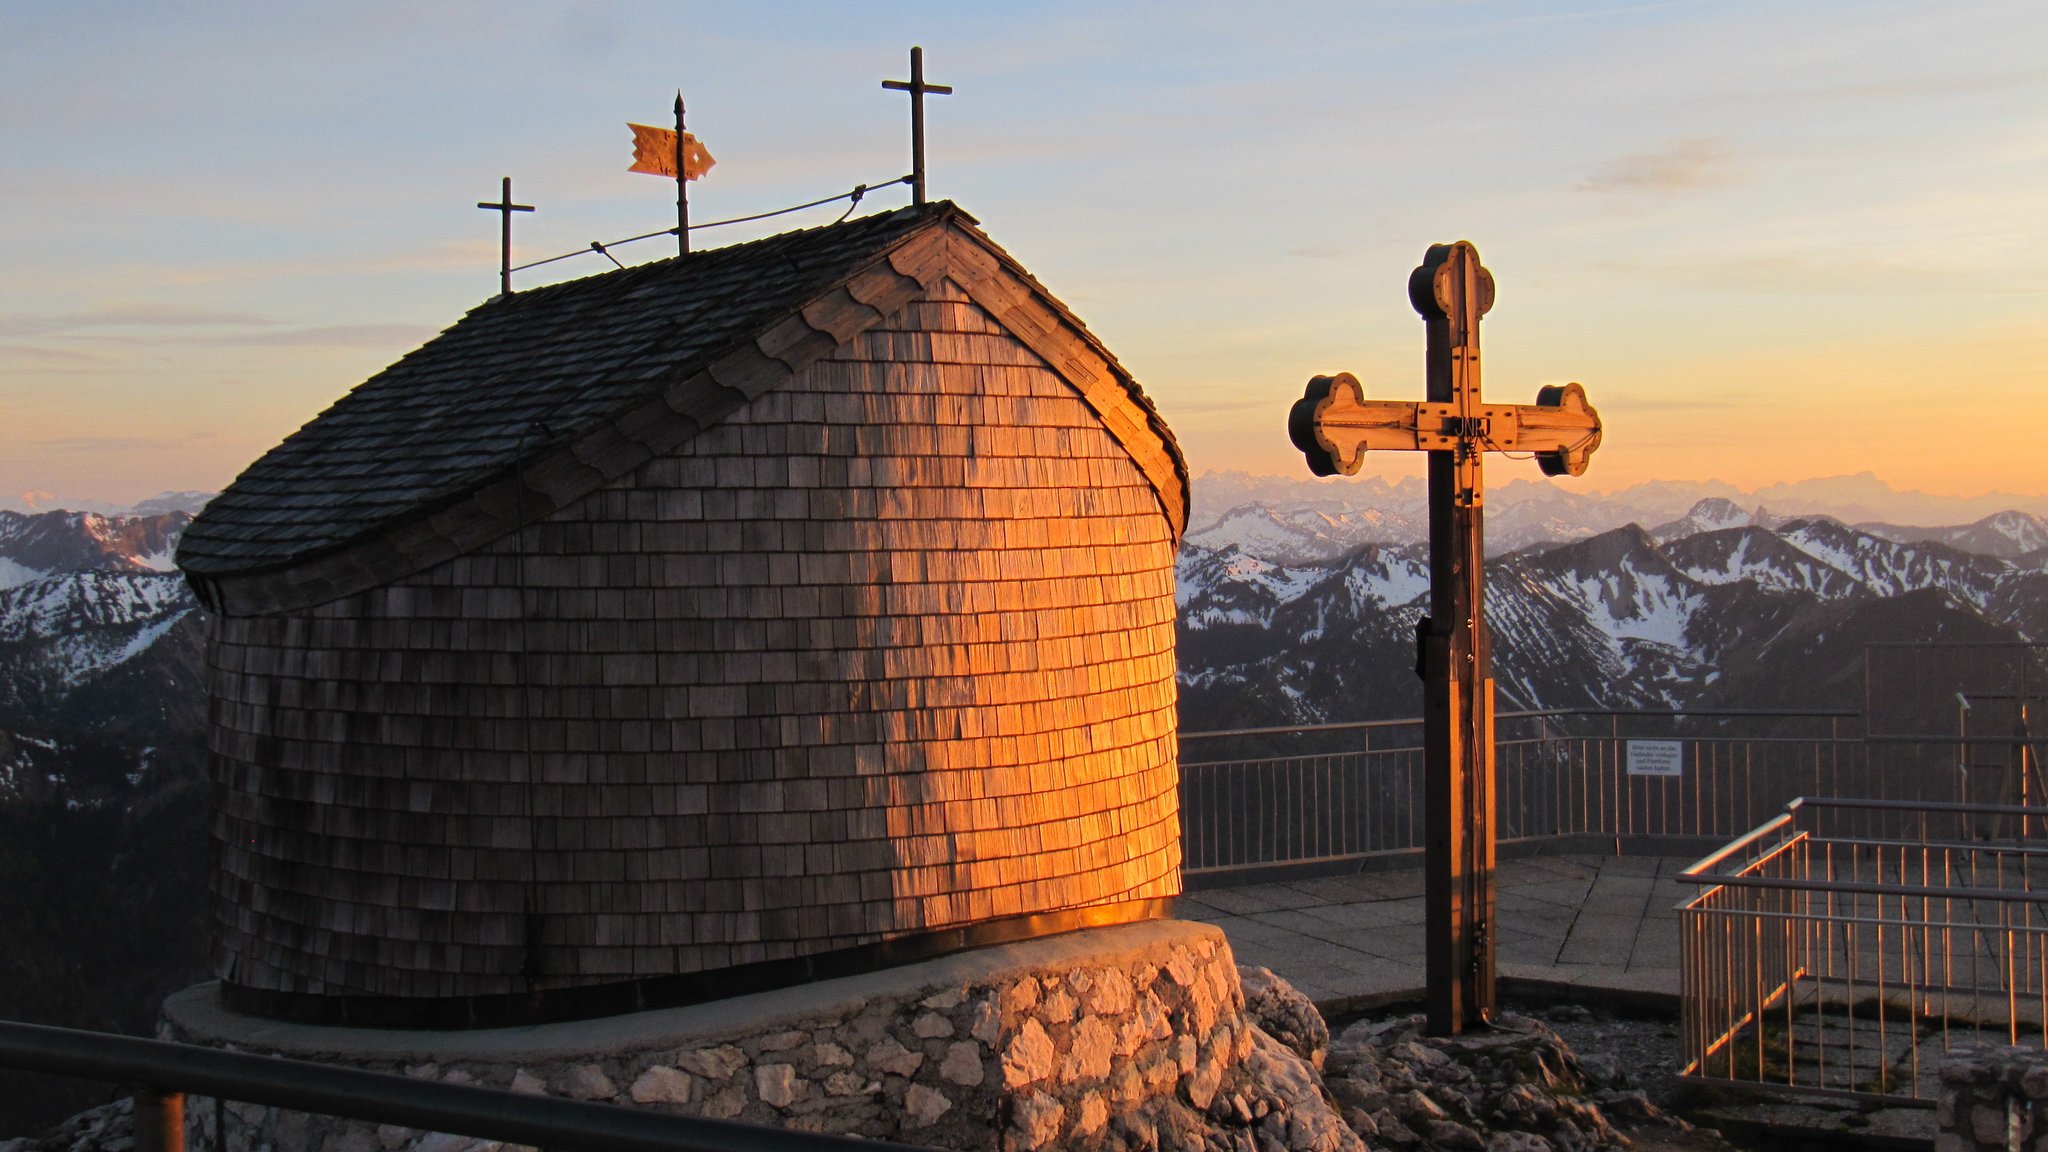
(39, 544)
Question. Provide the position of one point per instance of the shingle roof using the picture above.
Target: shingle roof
(538, 380)
(465, 405)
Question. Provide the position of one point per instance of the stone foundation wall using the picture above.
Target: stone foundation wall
(1989, 1098)
(1133, 1037)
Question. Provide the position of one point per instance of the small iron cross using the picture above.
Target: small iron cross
(1334, 426)
(917, 88)
(505, 208)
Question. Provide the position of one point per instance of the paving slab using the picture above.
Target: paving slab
(1369, 916)
(1534, 868)
(1577, 920)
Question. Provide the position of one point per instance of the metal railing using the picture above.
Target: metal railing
(166, 1072)
(1338, 792)
(1844, 946)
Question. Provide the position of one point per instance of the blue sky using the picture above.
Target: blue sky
(1774, 240)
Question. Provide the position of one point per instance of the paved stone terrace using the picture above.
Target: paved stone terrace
(1580, 921)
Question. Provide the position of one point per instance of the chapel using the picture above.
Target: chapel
(776, 611)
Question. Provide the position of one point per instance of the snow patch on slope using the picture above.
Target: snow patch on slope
(13, 575)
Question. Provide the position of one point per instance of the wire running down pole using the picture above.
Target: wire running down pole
(682, 183)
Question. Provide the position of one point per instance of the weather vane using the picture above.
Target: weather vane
(678, 154)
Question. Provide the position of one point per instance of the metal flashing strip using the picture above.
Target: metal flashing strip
(552, 1005)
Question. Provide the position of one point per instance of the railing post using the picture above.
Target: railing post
(159, 1121)
(1620, 793)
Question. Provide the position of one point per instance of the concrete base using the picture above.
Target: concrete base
(1123, 1037)
(197, 1015)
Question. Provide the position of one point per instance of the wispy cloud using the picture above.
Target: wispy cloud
(145, 315)
(1830, 273)
(1263, 404)
(66, 445)
(15, 357)
(468, 255)
(1687, 164)
(1649, 404)
(332, 336)
(157, 328)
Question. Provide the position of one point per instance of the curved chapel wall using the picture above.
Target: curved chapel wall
(890, 649)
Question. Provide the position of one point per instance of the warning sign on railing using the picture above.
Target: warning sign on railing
(1656, 758)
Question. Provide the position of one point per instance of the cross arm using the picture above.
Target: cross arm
(1334, 426)
(918, 86)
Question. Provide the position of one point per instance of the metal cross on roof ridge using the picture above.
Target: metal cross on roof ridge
(917, 88)
(505, 208)
(1334, 426)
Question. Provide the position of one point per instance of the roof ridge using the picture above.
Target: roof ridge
(937, 209)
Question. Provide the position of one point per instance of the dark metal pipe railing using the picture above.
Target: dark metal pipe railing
(1416, 721)
(165, 1070)
(1561, 772)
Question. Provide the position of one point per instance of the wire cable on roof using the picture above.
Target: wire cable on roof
(858, 191)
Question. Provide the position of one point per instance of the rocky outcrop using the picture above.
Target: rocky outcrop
(1284, 1013)
(1515, 1087)
(107, 1128)
(1989, 1097)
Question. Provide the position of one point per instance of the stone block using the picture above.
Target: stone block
(661, 1084)
(925, 1105)
(1030, 1056)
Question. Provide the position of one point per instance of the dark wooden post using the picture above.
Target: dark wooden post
(1452, 291)
(1334, 425)
(160, 1116)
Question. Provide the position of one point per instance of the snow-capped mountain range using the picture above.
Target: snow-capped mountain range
(81, 594)
(1305, 520)
(1302, 615)
(102, 777)
(1298, 604)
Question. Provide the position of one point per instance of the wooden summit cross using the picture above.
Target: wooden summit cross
(1334, 425)
(917, 87)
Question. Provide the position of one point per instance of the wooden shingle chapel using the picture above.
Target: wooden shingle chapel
(774, 611)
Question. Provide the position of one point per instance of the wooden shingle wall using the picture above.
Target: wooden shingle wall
(890, 649)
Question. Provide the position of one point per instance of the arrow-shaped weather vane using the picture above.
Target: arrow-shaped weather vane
(676, 154)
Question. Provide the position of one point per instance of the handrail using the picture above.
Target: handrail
(1698, 872)
(1871, 888)
(1715, 857)
(1666, 713)
(1343, 726)
(1915, 806)
(383, 1098)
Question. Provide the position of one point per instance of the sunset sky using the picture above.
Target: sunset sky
(1774, 240)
